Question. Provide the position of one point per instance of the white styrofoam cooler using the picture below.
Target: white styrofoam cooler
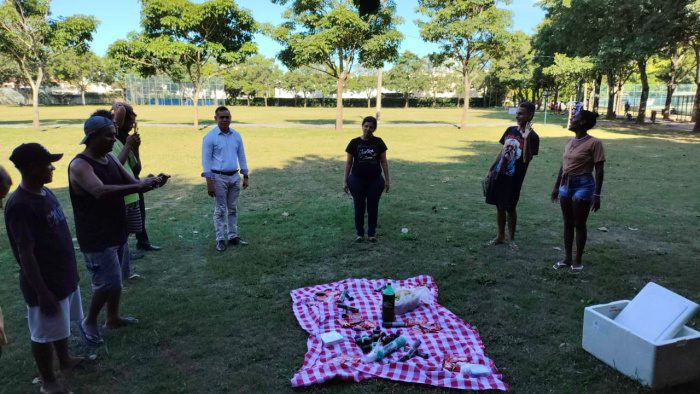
(657, 365)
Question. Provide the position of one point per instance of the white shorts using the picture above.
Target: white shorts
(46, 329)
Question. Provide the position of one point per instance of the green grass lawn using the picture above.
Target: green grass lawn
(222, 322)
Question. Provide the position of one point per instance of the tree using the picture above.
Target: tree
(469, 31)
(33, 39)
(302, 80)
(364, 82)
(674, 68)
(407, 76)
(437, 78)
(515, 68)
(188, 40)
(333, 35)
(9, 72)
(691, 27)
(639, 23)
(79, 69)
(258, 76)
(569, 71)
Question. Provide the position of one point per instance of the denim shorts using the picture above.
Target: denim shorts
(580, 187)
(105, 267)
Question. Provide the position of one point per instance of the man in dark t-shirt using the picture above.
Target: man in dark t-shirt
(43, 247)
(97, 186)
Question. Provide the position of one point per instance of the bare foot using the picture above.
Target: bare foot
(52, 388)
(121, 322)
(496, 241)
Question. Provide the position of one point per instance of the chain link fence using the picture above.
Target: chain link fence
(681, 101)
(161, 90)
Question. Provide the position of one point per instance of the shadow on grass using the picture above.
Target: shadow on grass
(222, 321)
(657, 130)
(44, 122)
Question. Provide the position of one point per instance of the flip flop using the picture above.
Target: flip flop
(577, 269)
(560, 265)
(125, 321)
(90, 339)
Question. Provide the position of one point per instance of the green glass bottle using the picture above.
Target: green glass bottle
(388, 302)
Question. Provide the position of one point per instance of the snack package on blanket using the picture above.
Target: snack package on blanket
(410, 298)
(465, 365)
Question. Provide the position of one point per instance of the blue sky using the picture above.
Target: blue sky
(120, 17)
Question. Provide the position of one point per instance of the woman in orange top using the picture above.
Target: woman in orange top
(576, 189)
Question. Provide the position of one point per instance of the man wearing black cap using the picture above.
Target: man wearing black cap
(97, 186)
(42, 245)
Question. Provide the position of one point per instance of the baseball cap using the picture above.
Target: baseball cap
(95, 124)
(33, 153)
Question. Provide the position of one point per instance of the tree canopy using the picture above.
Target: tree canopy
(469, 31)
(33, 39)
(334, 36)
(188, 40)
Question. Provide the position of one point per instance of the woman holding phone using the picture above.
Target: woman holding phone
(506, 175)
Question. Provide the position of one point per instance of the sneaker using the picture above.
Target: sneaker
(220, 246)
(237, 241)
(135, 276)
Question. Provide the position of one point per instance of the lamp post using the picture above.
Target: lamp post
(545, 94)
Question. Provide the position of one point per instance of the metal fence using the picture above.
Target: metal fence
(161, 90)
(681, 102)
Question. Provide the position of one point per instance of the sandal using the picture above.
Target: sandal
(561, 264)
(359, 239)
(372, 239)
(90, 339)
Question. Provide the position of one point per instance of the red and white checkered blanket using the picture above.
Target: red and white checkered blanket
(454, 340)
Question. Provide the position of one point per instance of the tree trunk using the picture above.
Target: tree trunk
(378, 100)
(35, 85)
(596, 91)
(339, 102)
(465, 107)
(585, 95)
(696, 109)
(696, 102)
(670, 88)
(304, 100)
(82, 96)
(618, 97)
(265, 99)
(405, 100)
(195, 102)
(642, 65)
(369, 102)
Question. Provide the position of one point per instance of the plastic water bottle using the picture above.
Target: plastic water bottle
(379, 352)
(388, 303)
